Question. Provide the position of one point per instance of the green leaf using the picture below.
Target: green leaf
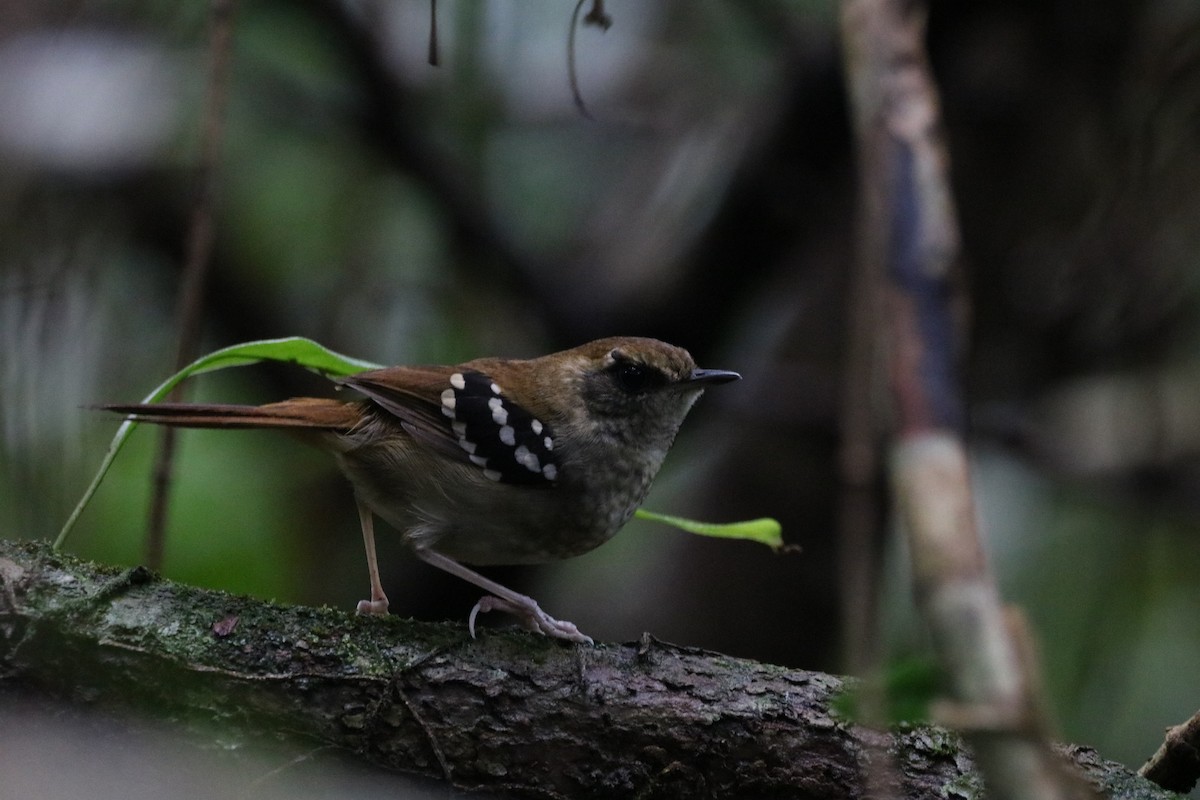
(293, 349)
(765, 531)
(904, 693)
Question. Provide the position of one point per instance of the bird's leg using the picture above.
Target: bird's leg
(502, 598)
(378, 604)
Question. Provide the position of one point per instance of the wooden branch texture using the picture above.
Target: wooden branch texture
(1176, 763)
(511, 712)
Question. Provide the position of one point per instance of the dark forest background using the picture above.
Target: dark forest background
(400, 212)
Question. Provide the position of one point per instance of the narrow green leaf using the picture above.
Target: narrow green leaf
(765, 531)
(293, 349)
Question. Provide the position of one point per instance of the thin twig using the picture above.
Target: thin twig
(598, 17)
(433, 34)
(430, 734)
(199, 244)
(291, 763)
(858, 466)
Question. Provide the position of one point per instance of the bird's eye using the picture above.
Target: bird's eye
(632, 377)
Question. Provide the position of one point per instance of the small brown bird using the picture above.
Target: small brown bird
(493, 461)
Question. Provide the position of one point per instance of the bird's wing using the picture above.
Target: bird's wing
(463, 414)
(413, 395)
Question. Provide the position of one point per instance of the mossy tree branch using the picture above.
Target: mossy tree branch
(510, 711)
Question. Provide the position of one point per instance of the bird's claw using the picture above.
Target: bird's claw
(531, 618)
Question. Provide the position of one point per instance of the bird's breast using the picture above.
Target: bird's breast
(451, 507)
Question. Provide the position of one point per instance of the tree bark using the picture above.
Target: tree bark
(1176, 763)
(511, 712)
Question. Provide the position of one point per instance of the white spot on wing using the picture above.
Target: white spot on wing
(491, 475)
(528, 459)
(550, 471)
(508, 435)
(448, 400)
(537, 426)
(457, 381)
(548, 442)
(496, 389)
(460, 429)
(478, 460)
(499, 412)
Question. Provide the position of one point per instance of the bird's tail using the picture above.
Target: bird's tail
(304, 412)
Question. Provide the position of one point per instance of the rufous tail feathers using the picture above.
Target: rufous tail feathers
(303, 412)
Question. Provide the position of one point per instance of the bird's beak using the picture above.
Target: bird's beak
(713, 376)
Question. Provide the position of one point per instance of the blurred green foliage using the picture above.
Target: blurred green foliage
(905, 692)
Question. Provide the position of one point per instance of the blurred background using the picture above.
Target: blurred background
(401, 212)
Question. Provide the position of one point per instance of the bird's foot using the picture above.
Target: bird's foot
(377, 607)
(531, 617)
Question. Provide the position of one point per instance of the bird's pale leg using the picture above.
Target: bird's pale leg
(378, 604)
(505, 599)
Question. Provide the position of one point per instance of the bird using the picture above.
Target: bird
(492, 461)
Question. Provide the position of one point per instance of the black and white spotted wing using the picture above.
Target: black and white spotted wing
(504, 439)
